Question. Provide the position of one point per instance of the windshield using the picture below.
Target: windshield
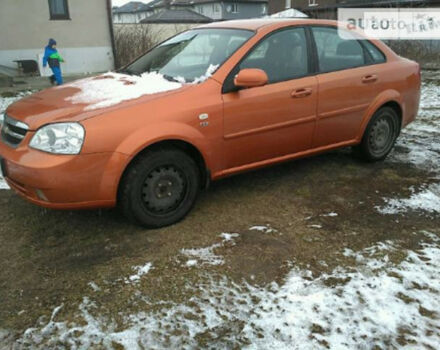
(191, 55)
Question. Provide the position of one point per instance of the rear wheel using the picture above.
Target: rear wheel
(159, 188)
(380, 135)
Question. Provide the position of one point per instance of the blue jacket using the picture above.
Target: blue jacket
(51, 55)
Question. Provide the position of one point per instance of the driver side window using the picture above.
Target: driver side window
(283, 55)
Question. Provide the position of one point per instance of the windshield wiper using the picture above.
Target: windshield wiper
(170, 78)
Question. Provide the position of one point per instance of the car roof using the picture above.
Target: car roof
(256, 24)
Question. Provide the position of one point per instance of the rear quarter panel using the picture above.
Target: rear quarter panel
(399, 81)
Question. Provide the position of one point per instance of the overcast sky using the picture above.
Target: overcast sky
(122, 2)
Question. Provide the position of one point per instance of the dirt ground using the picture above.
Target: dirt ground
(310, 210)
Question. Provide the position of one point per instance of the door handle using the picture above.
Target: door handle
(371, 78)
(304, 92)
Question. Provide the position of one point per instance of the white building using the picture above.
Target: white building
(132, 12)
(82, 28)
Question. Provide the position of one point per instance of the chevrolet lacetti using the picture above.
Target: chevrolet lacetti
(211, 102)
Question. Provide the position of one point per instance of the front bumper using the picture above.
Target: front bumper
(63, 181)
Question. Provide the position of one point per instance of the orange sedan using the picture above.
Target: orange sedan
(211, 102)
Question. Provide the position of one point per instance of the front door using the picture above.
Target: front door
(277, 119)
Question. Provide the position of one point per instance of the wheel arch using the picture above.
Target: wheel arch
(397, 108)
(389, 98)
(173, 143)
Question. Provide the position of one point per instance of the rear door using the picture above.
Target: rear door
(277, 119)
(348, 83)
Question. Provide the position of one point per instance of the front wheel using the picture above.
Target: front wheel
(380, 135)
(159, 188)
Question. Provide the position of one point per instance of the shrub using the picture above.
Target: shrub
(132, 41)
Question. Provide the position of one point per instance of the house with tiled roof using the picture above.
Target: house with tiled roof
(132, 12)
(217, 10)
(177, 16)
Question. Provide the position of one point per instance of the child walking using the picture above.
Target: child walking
(53, 58)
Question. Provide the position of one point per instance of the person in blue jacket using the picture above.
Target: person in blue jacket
(53, 58)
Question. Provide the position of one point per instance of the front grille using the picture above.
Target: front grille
(13, 131)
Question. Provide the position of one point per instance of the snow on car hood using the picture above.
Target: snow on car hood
(112, 88)
(84, 98)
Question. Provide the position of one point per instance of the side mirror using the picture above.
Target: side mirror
(249, 78)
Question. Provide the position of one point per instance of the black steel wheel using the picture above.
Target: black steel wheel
(380, 135)
(159, 188)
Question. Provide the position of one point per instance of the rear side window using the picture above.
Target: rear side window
(375, 53)
(283, 55)
(337, 53)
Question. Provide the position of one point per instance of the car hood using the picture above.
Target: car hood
(86, 98)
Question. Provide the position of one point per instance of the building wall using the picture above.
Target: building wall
(245, 10)
(213, 10)
(306, 6)
(84, 41)
(276, 6)
(123, 18)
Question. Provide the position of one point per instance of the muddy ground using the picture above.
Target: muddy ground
(54, 258)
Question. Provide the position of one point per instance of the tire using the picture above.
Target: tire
(380, 135)
(160, 188)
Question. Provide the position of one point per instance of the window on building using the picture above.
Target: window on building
(313, 3)
(235, 8)
(283, 55)
(58, 9)
(215, 8)
(288, 4)
(337, 53)
(200, 10)
(264, 9)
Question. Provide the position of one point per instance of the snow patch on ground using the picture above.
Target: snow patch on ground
(419, 144)
(6, 101)
(140, 272)
(94, 286)
(317, 226)
(373, 304)
(264, 229)
(427, 200)
(207, 256)
(330, 215)
(203, 256)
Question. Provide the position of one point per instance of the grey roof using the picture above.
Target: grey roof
(162, 3)
(133, 7)
(177, 16)
(228, 1)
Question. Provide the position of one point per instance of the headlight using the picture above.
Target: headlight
(60, 138)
